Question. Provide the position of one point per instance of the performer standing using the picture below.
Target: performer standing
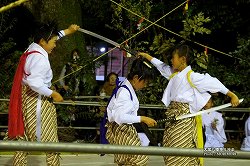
(72, 85)
(186, 92)
(31, 116)
(122, 113)
(213, 124)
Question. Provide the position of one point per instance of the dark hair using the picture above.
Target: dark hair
(75, 50)
(183, 50)
(46, 31)
(140, 68)
(109, 75)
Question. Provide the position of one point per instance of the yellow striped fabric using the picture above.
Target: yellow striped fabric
(200, 142)
(49, 126)
(125, 134)
(181, 134)
(198, 119)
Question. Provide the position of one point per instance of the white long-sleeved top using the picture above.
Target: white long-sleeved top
(38, 73)
(214, 138)
(179, 89)
(121, 108)
(246, 142)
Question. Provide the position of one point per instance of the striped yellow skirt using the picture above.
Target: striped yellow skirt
(125, 134)
(180, 134)
(47, 125)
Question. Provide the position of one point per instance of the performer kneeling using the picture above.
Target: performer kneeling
(246, 142)
(213, 124)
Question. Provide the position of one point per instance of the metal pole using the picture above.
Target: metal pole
(94, 128)
(149, 106)
(119, 149)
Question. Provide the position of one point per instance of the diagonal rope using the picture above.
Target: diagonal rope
(154, 23)
(133, 36)
(11, 5)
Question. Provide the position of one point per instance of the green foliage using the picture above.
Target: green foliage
(201, 59)
(9, 58)
(127, 23)
(195, 25)
(87, 74)
(239, 75)
(161, 46)
(96, 8)
(121, 20)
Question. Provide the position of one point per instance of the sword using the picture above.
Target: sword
(129, 51)
(171, 119)
(108, 41)
(99, 37)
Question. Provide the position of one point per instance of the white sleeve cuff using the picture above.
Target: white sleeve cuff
(137, 119)
(224, 90)
(129, 119)
(45, 91)
(156, 62)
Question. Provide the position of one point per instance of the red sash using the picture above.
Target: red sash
(15, 121)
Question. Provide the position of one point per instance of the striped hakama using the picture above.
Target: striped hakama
(125, 134)
(45, 128)
(181, 134)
